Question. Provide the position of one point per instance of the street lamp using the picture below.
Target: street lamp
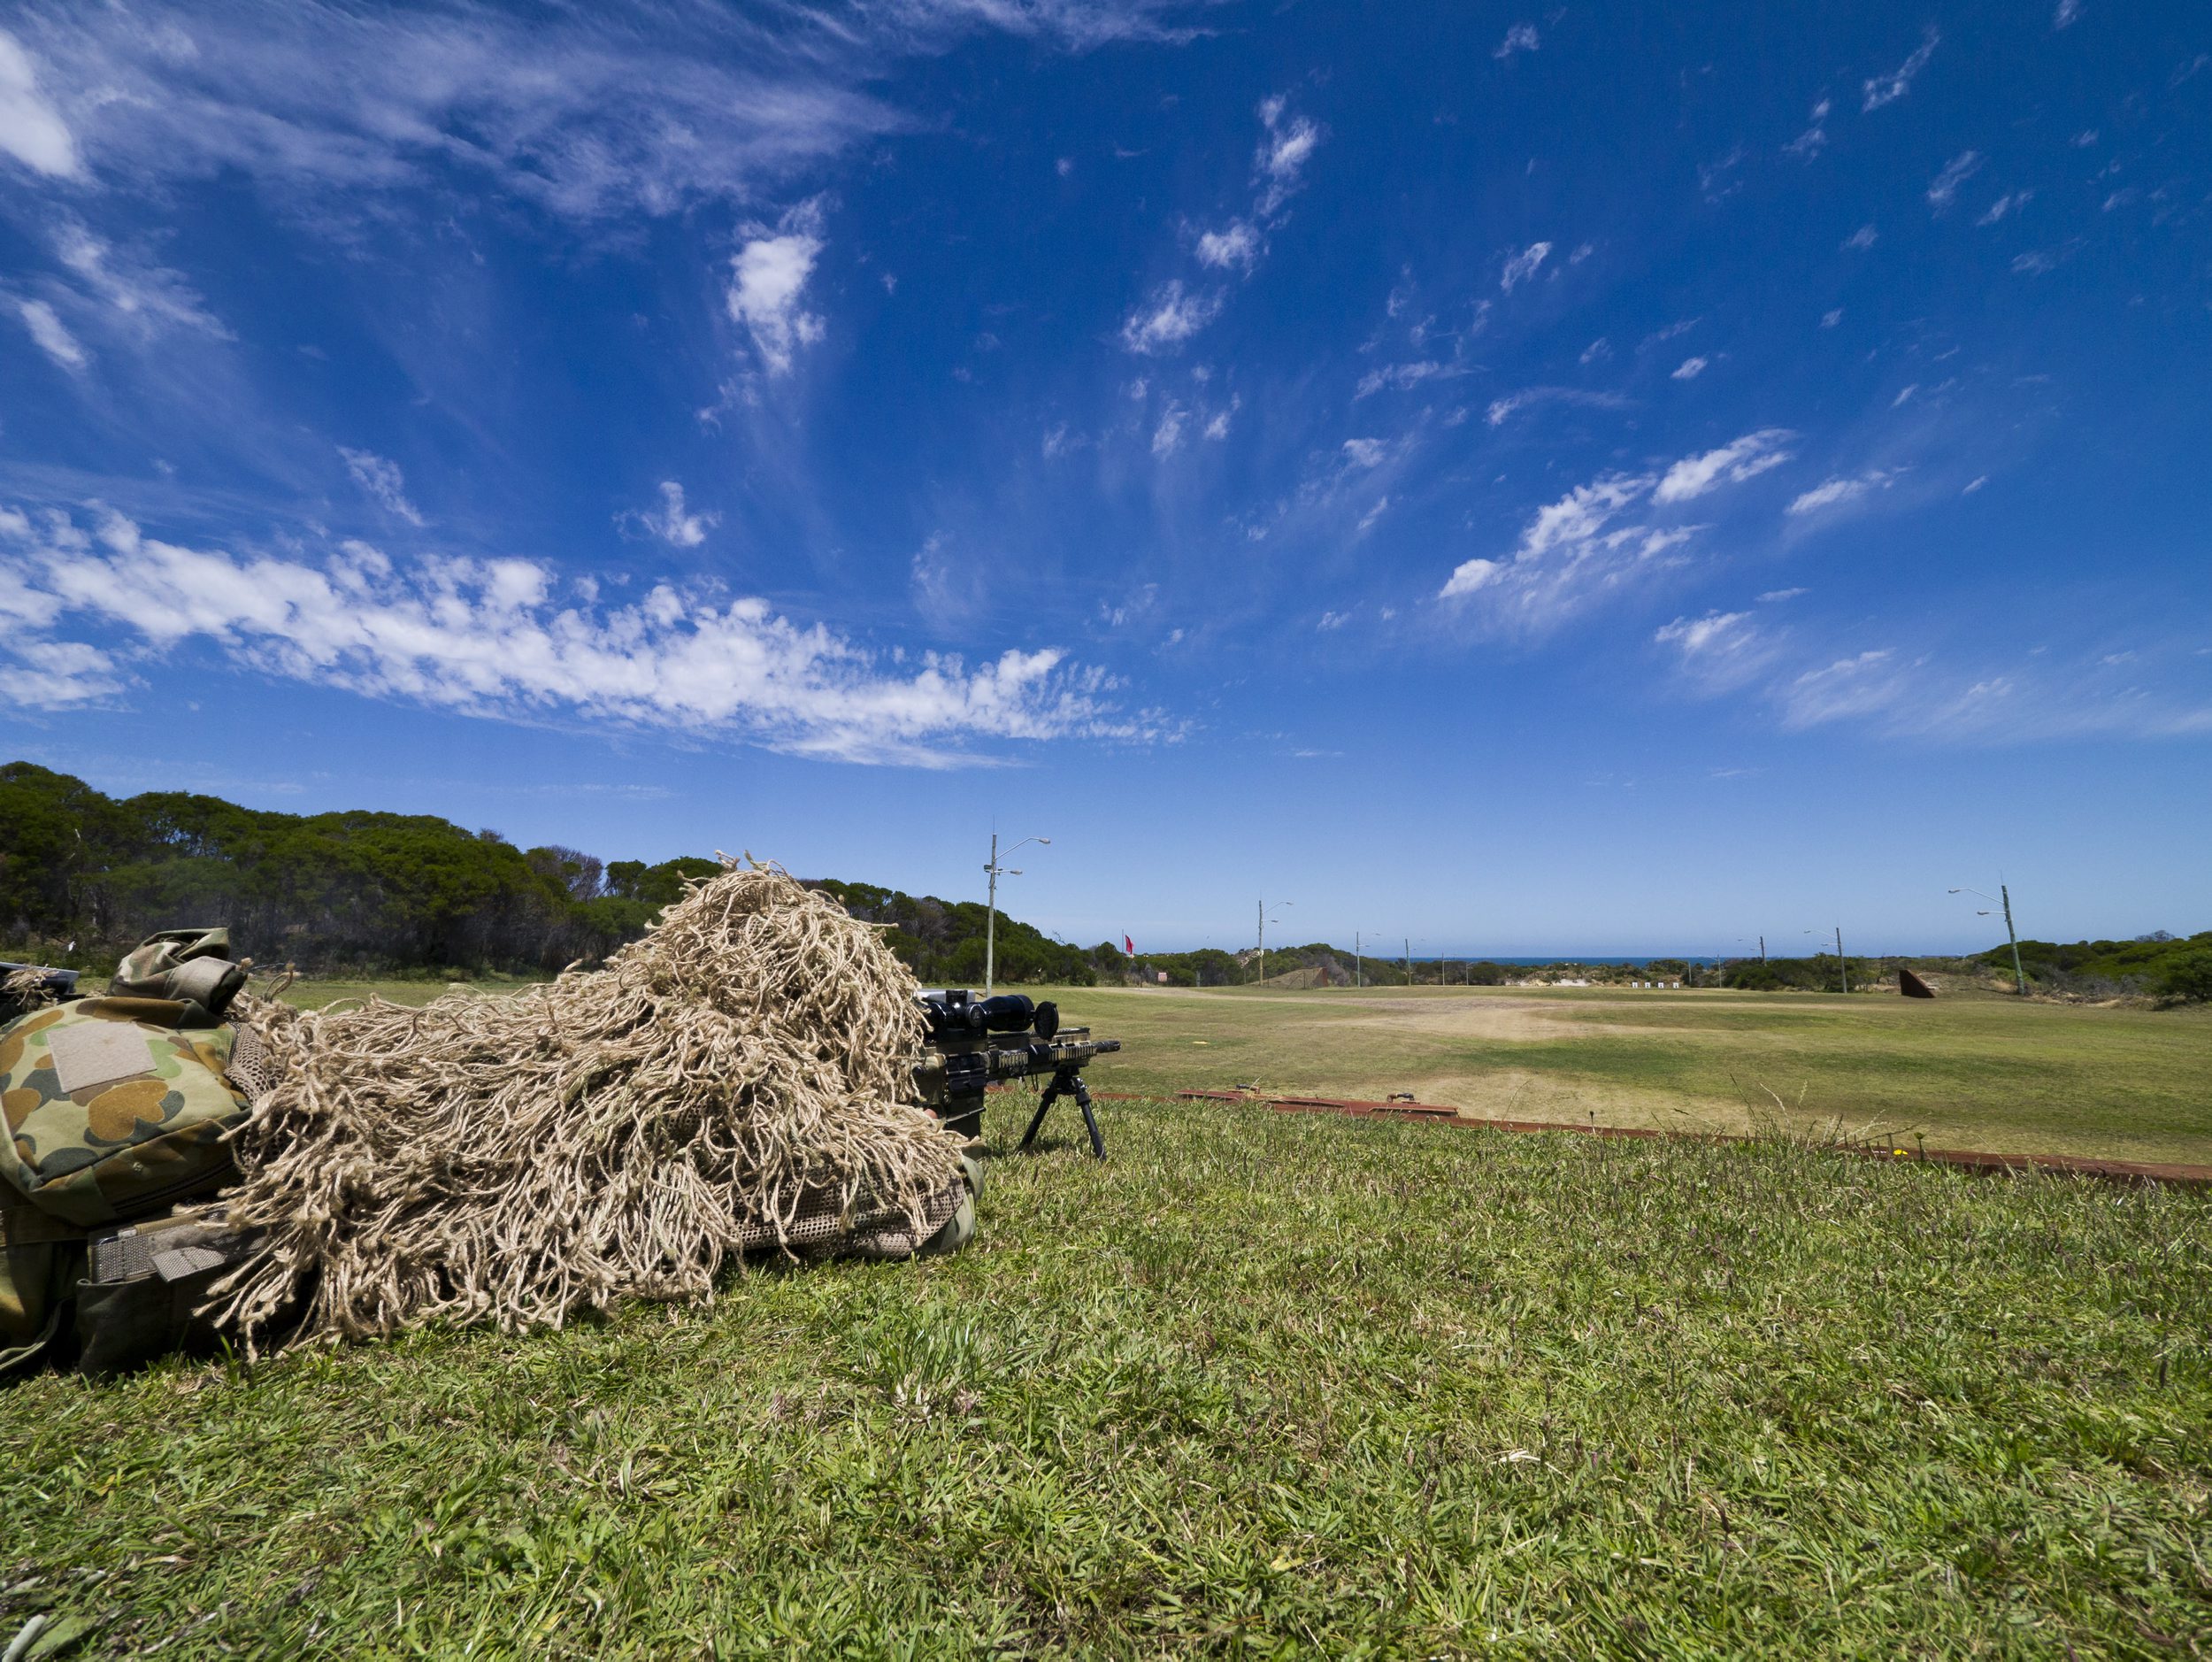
(1842, 974)
(990, 918)
(2003, 897)
(1264, 921)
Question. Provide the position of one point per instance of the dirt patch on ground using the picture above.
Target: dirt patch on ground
(1511, 1020)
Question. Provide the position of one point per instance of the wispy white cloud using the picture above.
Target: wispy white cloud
(1749, 456)
(1398, 377)
(1944, 187)
(1882, 89)
(147, 295)
(1920, 695)
(1576, 551)
(1690, 368)
(382, 479)
(1168, 436)
(672, 522)
(1286, 146)
(1721, 651)
(1169, 318)
(1864, 684)
(1237, 244)
(30, 128)
(1840, 491)
(1717, 180)
(1832, 317)
(1814, 139)
(578, 111)
(1521, 37)
(1521, 266)
(1709, 633)
(2011, 202)
(1861, 238)
(768, 282)
(51, 334)
(1503, 409)
(489, 638)
(2067, 11)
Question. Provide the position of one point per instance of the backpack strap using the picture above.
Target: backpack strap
(41, 1258)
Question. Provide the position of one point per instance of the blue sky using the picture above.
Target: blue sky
(1527, 480)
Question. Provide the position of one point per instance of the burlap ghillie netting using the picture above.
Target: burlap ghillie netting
(29, 988)
(729, 1085)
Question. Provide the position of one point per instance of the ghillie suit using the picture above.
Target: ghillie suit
(728, 1087)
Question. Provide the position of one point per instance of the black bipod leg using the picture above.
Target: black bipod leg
(1043, 1103)
(1067, 1083)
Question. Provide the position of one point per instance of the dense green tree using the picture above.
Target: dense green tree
(2188, 976)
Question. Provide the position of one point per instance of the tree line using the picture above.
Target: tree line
(84, 877)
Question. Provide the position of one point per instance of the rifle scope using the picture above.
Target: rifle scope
(1008, 1012)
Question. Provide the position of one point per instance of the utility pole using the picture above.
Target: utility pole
(2019, 975)
(2003, 897)
(990, 921)
(1409, 961)
(990, 918)
(1263, 912)
(1842, 974)
(1763, 949)
(1358, 972)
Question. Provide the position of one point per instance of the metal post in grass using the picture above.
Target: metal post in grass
(1843, 975)
(2003, 897)
(990, 916)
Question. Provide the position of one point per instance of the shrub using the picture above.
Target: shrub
(2188, 976)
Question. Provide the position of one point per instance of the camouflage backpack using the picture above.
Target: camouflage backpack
(115, 1109)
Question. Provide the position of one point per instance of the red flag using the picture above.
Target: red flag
(1128, 946)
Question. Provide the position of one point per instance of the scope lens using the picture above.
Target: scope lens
(1008, 1012)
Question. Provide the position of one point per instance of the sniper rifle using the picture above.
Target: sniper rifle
(973, 1042)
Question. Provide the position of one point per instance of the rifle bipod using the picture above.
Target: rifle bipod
(1067, 1081)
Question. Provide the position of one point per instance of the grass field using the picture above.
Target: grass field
(1975, 1072)
(1985, 1073)
(1260, 1385)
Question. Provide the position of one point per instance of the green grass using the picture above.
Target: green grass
(1260, 1385)
(1982, 1072)
(1971, 1071)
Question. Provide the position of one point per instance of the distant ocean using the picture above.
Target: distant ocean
(1536, 963)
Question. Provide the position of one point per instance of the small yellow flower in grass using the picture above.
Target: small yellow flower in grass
(1900, 1153)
